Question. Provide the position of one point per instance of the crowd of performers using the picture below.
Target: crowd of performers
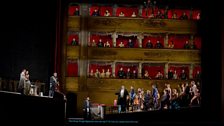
(186, 95)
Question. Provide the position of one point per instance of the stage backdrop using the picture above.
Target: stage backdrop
(27, 37)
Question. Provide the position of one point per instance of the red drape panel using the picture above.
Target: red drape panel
(104, 8)
(125, 39)
(125, 67)
(72, 9)
(104, 39)
(153, 40)
(127, 11)
(179, 70)
(70, 37)
(99, 67)
(196, 68)
(179, 40)
(197, 41)
(72, 69)
(92, 8)
(195, 14)
(153, 70)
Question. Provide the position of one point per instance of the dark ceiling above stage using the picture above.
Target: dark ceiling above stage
(171, 3)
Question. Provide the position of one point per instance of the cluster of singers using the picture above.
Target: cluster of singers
(138, 100)
(151, 10)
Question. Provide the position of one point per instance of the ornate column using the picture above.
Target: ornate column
(140, 11)
(191, 71)
(113, 68)
(140, 70)
(166, 43)
(114, 37)
(166, 70)
(114, 10)
(140, 37)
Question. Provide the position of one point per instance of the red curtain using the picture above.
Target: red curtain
(127, 11)
(153, 40)
(72, 68)
(179, 40)
(195, 14)
(153, 70)
(104, 38)
(179, 69)
(125, 39)
(197, 41)
(125, 66)
(72, 9)
(99, 67)
(196, 68)
(71, 37)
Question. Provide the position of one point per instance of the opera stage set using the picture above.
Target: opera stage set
(99, 46)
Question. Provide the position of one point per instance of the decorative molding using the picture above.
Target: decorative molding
(118, 24)
(139, 54)
(72, 52)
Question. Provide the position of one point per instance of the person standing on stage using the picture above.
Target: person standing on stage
(53, 84)
(86, 109)
(122, 98)
(21, 81)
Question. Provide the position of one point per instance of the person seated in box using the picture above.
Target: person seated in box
(96, 13)
(107, 44)
(97, 74)
(158, 45)
(93, 44)
(108, 73)
(76, 12)
(107, 13)
(149, 44)
(121, 14)
(198, 75)
(146, 75)
(128, 74)
(102, 74)
(100, 43)
(91, 74)
(198, 16)
(175, 76)
(174, 16)
(130, 44)
(170, 74)
(121, 45)
(171, 45)
(187, 45)
(184, 16)
(159, 75)
(121, 73)
(133, 14)
(74, 42)
(183, 75)
(134, 75)
(159, 15)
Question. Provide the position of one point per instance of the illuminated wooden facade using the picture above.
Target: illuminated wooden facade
(103, 90)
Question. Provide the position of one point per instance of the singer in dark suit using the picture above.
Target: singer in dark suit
(53, 84)
(122, 98)
(86, 109)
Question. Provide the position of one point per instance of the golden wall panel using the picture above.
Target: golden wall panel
(118, 24)
(167, 55)
(74, 23)
(73, 51)
(71, 84)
